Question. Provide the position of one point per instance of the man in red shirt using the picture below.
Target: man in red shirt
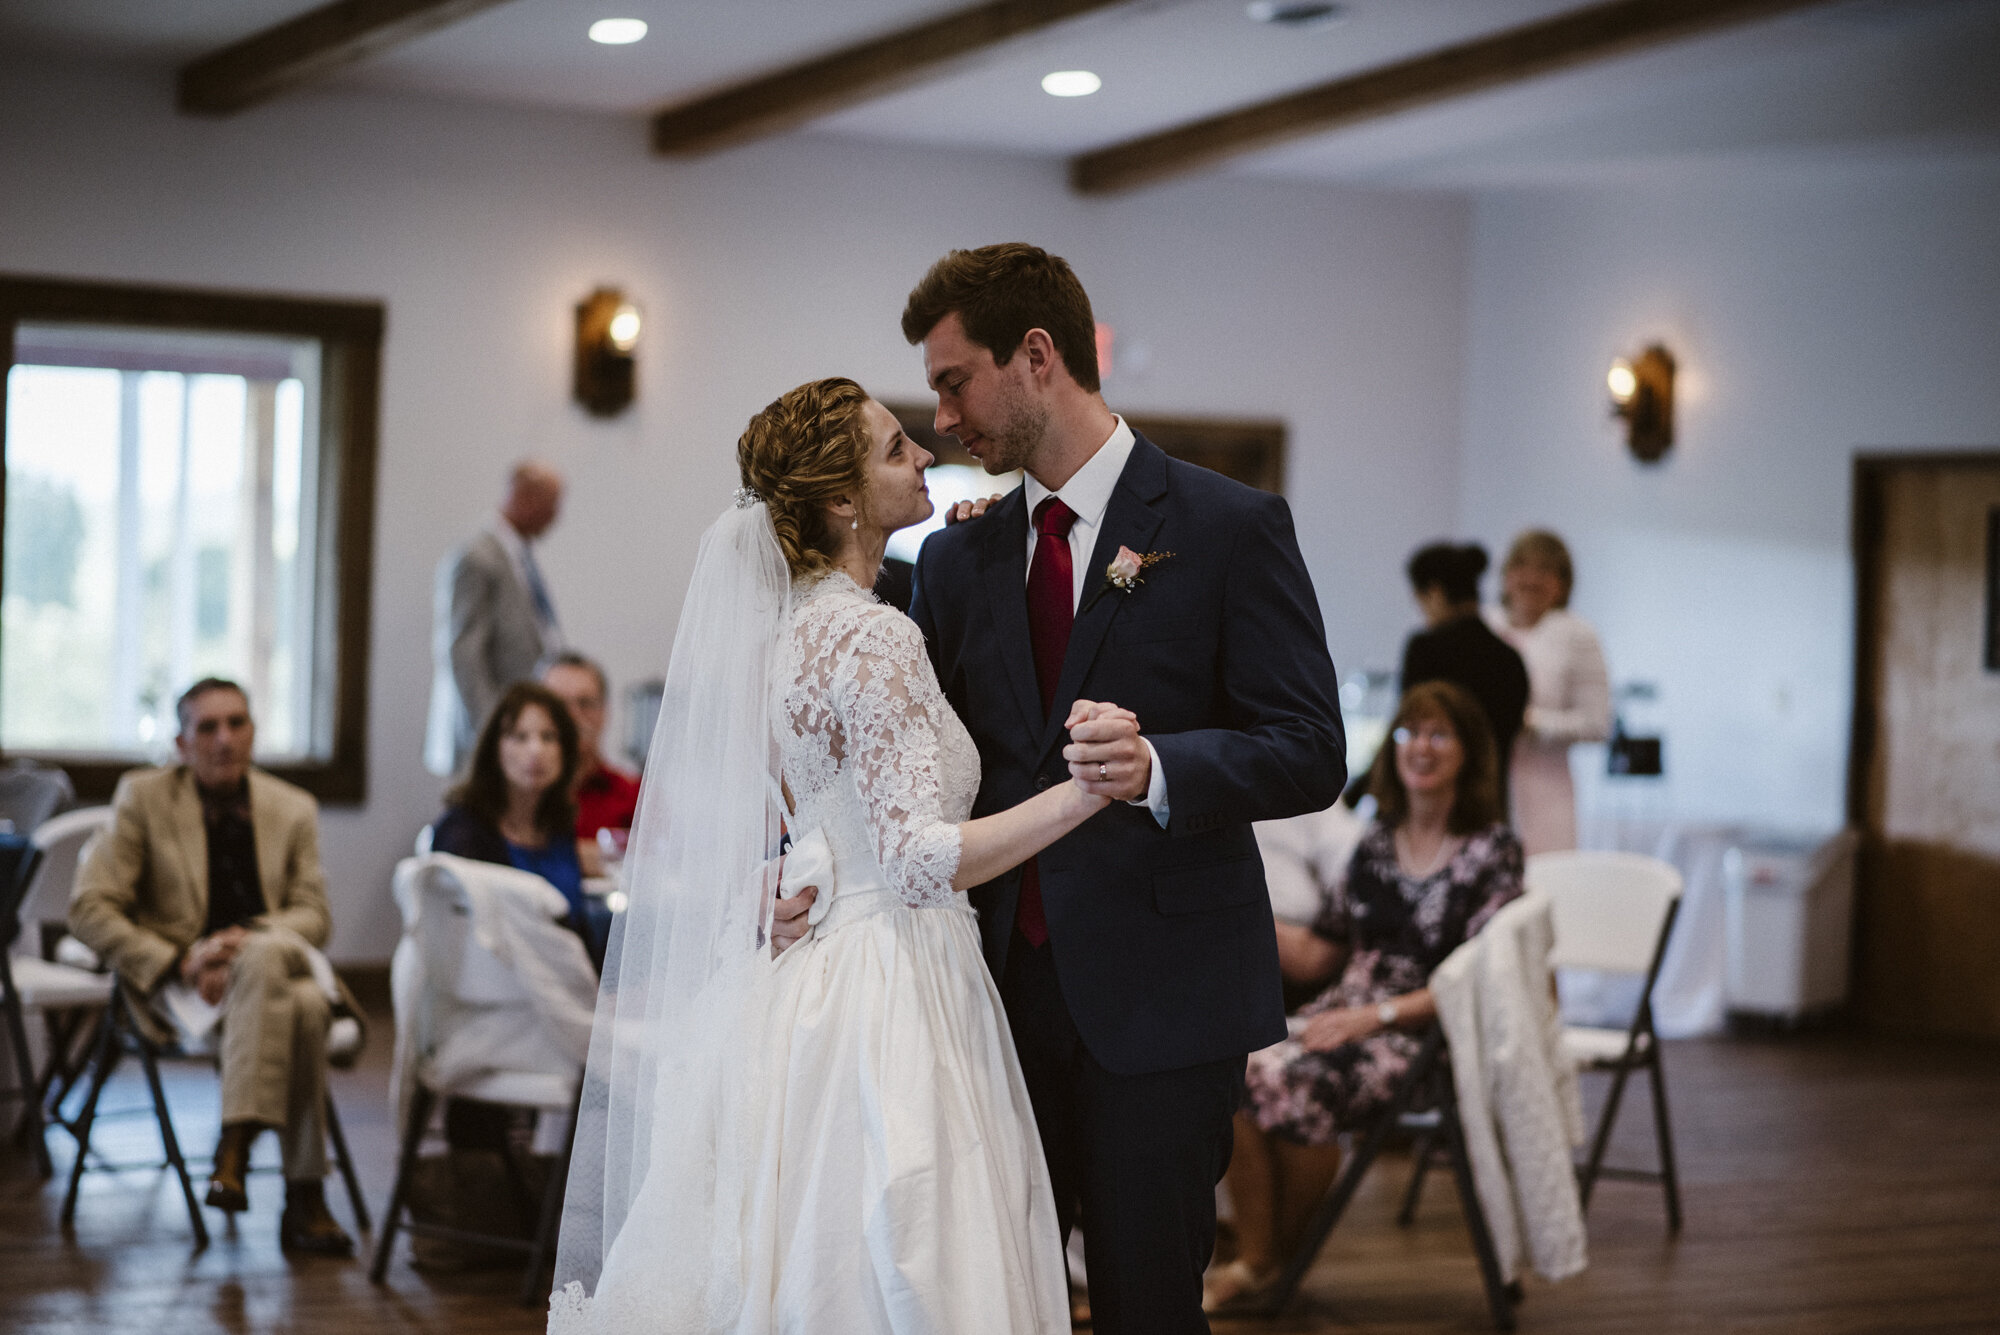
(606, 797)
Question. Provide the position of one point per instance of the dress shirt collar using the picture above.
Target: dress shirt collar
(220, 803)
(1088, 493)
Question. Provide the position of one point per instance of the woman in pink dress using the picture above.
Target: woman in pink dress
(1569, 691)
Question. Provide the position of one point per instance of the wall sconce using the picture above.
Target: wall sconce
(1642, 392)
(607, 330)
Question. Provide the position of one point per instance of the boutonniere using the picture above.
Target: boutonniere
(1125, 573)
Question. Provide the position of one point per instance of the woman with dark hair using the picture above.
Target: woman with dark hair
(1435, 866)
(1569, 696)
(1459, 647)
(515, 806)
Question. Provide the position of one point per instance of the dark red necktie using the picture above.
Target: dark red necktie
(1051, 610)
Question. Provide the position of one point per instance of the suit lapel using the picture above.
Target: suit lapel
(193, 840)
(1003, 574)
(1130, 520)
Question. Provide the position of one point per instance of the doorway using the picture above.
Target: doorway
(1924, 776)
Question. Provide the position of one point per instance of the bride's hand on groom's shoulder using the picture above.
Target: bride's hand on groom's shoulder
(1106, 758)
(965, 510)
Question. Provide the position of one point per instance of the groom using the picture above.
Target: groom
(1136, 957)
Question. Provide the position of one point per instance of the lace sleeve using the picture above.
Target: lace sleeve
(888, 704)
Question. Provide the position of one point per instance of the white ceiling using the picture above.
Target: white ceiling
(1856, 76)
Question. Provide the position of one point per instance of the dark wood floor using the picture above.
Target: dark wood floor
(1832, 1184)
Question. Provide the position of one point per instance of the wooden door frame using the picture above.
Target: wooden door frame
(1871, 473)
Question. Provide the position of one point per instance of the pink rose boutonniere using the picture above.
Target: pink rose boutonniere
(1125, 573)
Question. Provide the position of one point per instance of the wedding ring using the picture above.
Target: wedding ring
(1103, 773)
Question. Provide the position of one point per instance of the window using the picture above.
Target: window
(188, 492)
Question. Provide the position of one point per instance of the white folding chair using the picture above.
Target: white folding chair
(30, 793)
(1614, 913)
(465, 983)
(49, 972)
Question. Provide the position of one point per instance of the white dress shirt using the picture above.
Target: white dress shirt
(1088, 495)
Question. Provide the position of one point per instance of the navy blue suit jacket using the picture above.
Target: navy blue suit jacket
(1163, 939)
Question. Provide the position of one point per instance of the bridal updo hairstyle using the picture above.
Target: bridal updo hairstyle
(1452, 567)
(1000, 293)
(805, 451)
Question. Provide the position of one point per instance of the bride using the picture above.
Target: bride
(837, 1140)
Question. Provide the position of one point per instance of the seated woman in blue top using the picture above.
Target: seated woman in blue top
(514, 808)
(515, 805)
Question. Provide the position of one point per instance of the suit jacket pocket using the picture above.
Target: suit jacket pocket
(1145, 630)
(1212, 885)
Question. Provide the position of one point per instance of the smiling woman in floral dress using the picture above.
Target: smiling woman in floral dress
(1436, 865)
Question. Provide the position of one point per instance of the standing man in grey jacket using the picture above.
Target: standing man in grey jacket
(493, 619)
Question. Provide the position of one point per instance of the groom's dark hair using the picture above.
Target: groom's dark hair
(1000, 293)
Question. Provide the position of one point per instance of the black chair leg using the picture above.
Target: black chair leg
(1669, 1179)
(345, 1163)
(532, 1292)
(1498, 1300)
(67, 1064)
(106, 1058)
(1420, 1164)
(172, 1142)
(1587, 1180)
(406, 1162)
(1279, 1295)
(30, 1122)
(61, 1034)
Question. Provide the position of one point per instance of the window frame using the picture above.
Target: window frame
(350, 336)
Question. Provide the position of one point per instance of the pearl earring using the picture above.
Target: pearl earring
(855, 524)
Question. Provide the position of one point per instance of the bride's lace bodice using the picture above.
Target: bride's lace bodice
(872, 753)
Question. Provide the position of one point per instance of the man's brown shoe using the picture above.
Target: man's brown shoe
(307, 1227)
(232, 1162)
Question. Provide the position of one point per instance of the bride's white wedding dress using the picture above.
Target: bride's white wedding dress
(868, 1161)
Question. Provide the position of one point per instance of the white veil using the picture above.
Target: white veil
(683, 966)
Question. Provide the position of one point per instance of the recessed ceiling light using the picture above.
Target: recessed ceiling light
(617, 32)
(1296, 14)
(1071, 83)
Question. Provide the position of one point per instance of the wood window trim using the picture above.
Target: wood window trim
(350, 332)
(1250, 450)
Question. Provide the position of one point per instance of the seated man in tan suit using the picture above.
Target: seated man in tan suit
(205, 894)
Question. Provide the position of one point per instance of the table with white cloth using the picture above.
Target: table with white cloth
(1688, 999)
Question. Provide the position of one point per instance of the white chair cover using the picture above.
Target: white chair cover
(1517, 1096)
(493, 995)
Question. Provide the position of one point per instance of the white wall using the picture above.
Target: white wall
(1339, 311)
(1817, 308)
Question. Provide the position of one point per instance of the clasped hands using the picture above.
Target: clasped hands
(1106, 759)
(1336, 1028)
(205, 966)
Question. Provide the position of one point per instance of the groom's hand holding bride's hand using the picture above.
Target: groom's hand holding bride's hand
(1106, 757)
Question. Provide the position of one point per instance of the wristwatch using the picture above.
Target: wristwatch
(1386, 1013)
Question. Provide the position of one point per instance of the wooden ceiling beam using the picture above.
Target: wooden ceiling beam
(309, 47)
(773, 103)
(1596, 33)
